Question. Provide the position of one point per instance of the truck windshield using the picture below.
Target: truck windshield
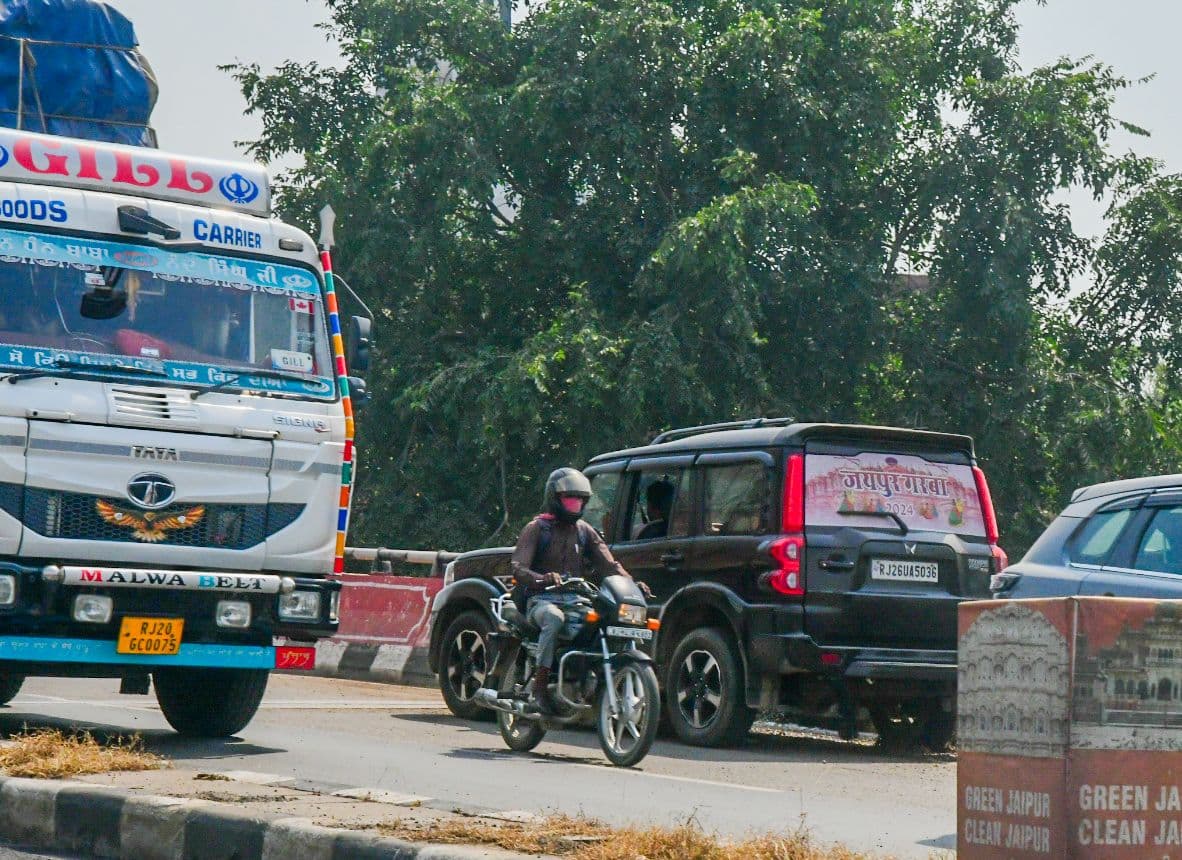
(203, 319)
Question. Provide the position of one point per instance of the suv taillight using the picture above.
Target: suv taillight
(788, 552)
(1000, 559)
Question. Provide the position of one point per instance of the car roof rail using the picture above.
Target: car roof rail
(748, 424)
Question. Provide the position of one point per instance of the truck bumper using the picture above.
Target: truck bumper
(38, 649)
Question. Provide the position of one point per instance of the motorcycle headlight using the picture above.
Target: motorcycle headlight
(629, 614)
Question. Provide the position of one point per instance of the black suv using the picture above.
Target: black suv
(800, 568)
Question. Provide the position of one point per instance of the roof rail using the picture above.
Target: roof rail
(749, 424)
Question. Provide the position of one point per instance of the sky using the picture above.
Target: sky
(200, 110)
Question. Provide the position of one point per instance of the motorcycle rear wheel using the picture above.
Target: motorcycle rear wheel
(627, 736)
(520, 734)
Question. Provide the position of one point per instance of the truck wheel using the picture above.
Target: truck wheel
(704, 691)
(899, 727)
(463, 665)
(939, 730)
(209, 703)
(10, 685)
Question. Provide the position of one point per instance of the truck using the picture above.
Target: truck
(176, 426)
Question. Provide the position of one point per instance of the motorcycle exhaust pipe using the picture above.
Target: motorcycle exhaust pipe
(488, 699)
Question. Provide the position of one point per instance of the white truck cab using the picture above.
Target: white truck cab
(175, 428)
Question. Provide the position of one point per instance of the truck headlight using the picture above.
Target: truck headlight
(449, 574)
(300, 606)
(233, 613)
(7, 589)
(630, 614)
(93, 608)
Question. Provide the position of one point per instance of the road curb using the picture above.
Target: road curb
(96, 821)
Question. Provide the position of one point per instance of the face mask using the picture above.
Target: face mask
(571, 504)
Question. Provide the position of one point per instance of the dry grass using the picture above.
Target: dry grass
(585, 839)
(53, 754)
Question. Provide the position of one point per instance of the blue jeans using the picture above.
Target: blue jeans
(546, 612)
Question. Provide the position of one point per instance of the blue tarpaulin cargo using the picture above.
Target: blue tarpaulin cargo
(70, 67)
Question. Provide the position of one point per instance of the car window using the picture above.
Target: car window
(660, 505)
(1161, 545)
(1096, 539)
(604, 488)
(737, 499)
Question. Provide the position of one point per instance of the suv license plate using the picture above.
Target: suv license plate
(630, 632)
(905, 571)
(149, 635)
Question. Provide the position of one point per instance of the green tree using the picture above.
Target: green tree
(624, 216)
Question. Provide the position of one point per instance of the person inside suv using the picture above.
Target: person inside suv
(557, 545)
(658, 501)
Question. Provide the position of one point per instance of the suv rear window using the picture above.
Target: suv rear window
(737, 499)
(1094, 542)
(860, 488)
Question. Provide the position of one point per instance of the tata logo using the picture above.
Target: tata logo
(137, 259)
(238, 189)
(151, 491)
(3, 156)
(154, 452)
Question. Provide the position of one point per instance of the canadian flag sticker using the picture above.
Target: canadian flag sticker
(300, 306)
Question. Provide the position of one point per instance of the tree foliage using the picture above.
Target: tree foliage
(626, 215)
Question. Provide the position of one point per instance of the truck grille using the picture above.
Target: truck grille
(76, 516)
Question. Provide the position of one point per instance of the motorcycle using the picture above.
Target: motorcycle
(600, 668)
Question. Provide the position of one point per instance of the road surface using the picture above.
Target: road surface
(401, 739)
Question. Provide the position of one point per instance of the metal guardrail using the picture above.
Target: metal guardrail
(437, 559)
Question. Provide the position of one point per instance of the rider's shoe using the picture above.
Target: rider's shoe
(540, 697)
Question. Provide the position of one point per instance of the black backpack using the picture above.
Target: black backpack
(546, 525)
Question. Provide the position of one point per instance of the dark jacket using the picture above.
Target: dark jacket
(562, 555)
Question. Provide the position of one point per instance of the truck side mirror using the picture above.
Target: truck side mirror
(358, 392)
(359, 344)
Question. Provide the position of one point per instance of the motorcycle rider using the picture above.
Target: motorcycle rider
(556, 545)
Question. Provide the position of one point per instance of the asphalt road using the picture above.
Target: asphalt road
(401, 739)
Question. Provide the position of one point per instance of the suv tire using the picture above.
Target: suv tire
(705, 692)
(463, 661)
(10, 685)
(209, 703)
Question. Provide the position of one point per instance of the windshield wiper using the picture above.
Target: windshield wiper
(81, 368)
(233, 378)
(886, 514)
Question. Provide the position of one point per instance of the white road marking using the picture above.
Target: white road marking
(273, 705)
(380, 795)
(711, 782)
(255, 778)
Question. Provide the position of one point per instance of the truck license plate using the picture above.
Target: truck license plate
(906, 571)
(149, 635)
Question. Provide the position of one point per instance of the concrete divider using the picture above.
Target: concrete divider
(1069, 729)
(385, 617)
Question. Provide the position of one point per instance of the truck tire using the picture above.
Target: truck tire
(704, 691)
(10, 685)
(209, 703)
(463, 665)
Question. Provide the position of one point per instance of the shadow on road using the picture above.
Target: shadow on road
(162, 741)
(789, 746)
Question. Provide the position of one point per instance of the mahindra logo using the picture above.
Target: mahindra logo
(151, 491)
(154, 452)
(911, 548)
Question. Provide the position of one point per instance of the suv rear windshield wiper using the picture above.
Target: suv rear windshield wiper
(233, 377)
(889, 514)
(64, 366)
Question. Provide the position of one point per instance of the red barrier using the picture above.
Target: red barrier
(386, 610)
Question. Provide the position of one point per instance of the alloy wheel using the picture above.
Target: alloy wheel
(699, 689)
(466, 667)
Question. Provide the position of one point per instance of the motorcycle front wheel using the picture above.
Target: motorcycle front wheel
(519, 734)
(627, 735)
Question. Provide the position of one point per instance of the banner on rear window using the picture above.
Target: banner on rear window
(864, 489)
